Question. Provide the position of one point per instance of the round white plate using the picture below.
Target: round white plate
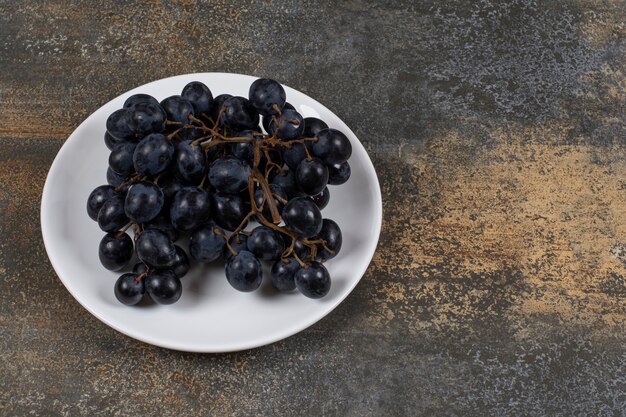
(210, 316)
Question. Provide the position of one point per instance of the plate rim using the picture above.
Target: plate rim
(256, 343)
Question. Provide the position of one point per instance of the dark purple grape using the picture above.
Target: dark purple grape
(288, 126)
(228, 210)
(218, 104)
(287, 181)
(115, 179)
(181, 263)
(128, 290)
(178, 109)
(156, 249)
(338, 173)
(265, 243)
(170, 186)
(118, 125)
(97, 198)
(144, 202)
(112, 142)
(162, 222)
(239, 114)
(266, 95)
(312, 126)
(331, 233)
(313, 280)
(244, 272)
(190, 208)
(321, 200)
(283, 274)
(311, 176)
(121, 158)
(139, 98)
(115, 250)
(303, 251)
(229, 175)
(294, 155)
(199, 96)
(191, 162)
(302, 216)
(237, 243)
(332, 147)
(243, 150)
(206, 243)
(163, 286)
(146, 118)
(112, 216)
(153, 154)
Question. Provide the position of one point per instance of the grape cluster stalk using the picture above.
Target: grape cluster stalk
(201, 168)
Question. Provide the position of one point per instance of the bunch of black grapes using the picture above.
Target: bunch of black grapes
(201, 168)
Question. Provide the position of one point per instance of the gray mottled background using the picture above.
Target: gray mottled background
(499, 135)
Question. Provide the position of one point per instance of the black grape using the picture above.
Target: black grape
(97, 198)
(163, 286)
(115, 250)
(128, 290)
(144, 202)
(283, 274)
(313, 280)
(302, 216)
(199, 96)
(244, 272)
(265, 95)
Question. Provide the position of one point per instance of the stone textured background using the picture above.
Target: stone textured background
(498, 130)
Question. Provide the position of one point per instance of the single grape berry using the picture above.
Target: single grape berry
(312, 126)
(129, 290)
(153, 154)
(112, 142)
(156, 249)
(191, 161)
(143, 202)
(331, 234)
(322, 199)
(244, 272)
(190, 208)
(115, 179)
(267, 96)
(288, 126)
(118, 125)
(178, 109)
(239, 114)
(139, 98)
(146, 118)
(180, 267)
(218, 104)
(287, 181)
(97, 198)
(338, 173)
(199, 96)
(313, 280)
(302, 216)
(311, 176)
(121, 158)
(163, 286)
(206, 243)
(115, 250)
(294, 155)
(265, 243)
(228, 210)
(332, 147)
(112, 216)
(283, 274)
(229, 175)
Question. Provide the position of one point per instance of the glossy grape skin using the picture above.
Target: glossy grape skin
(312, 176)
(303, 251)
(143, 202)
(153, 154)
(243, 150)
(178, 109)
(313, 280)
(259, 200)
(294, 155)
(190, 208)
(338, 173)
(265, 243)
(139, 268)
(218, 103)
(199, 96)
(283, 274)
(181, 265)
(139, 98)
(332, 147)
(238, 243)
(121, 158)
(112, 216)
(97, 198)
(155, 249)
(312, 126)
(162, 222)
(206, 243)
(112, 142)
(239, 114)
(244, 272)
(128, 290)
(170, 186)
(118, 125)
(322, 199)
(302, 216)
(265, 94)
(115, 250)
(191, 162)
(290, 125)
(229, 175)
(163, 286)
(331, 233)
(115, 179)
(228, 210)
(287, 181)
(146, 118)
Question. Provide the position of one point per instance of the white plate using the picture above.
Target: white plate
(210, 316)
